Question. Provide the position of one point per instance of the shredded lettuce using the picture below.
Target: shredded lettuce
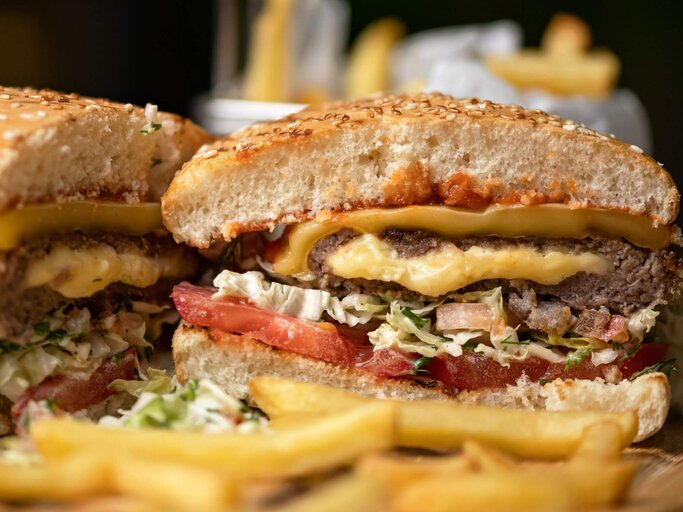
(305, 303)
(640, 323)
(70, 340)
(156, 381)
(199, 405)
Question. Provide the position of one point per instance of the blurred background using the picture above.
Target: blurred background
(173, 52)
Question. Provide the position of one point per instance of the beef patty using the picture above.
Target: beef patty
(20, 307)
(640, 278)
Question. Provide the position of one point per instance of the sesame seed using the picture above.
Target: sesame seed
(11, 134)
(45, 103)
(569, 127)
(451, 116)
(15, 105)
(210, 153)
(128, 107)
(636, 148)
(90, 108)
(4, 96)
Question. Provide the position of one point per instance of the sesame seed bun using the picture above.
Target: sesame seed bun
(59, 147)
(404, 150)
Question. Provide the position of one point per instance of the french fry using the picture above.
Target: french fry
(324, 443)
(267, 75)
(113, 504)
(446, 425)
(344, 493)
(594, 474)
(396, 472)
(600, 442)
(76, 477)
(566, 35)
(172, 486)
(368, 67)
(505, 492)
(594, 74)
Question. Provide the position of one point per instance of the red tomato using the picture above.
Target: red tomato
(326, 341)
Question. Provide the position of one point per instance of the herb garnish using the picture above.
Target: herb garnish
(8, 346)
(419, 322)
(666, 367)
(576, 358)
(150, 128)
(628, 354)
(419, 365)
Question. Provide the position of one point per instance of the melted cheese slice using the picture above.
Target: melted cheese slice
(44, 219)
(83, 272)
(449, 268)
(552, 221)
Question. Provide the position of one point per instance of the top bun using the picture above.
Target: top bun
(404, 150)
(59, 147)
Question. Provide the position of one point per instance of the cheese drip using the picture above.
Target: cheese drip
(551, 221)
(87, 216)
(448, 268)
(84, 272)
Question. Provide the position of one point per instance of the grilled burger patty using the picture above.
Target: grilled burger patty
(19, 308)
(640, 278)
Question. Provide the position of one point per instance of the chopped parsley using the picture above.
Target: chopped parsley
(419, 365)
(628, 355)
(666, 367)
(8, 346)
(508, 341)
(43, 330)
(116, 357)
(576, 357)
(419, 322)
(543, 380)
(151, 128)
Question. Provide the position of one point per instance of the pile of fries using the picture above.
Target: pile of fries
(328, 450)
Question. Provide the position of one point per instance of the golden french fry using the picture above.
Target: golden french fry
(279, 397)
(446, 425)
(565, 35)
(477, 492)
(114, 504)
(170, 485)
(395, 472)
(324, 443)
(594, 474)
(594, 74)
(344, 493)
(487, 459)
(267, 75)
(600, 443)
(369, 61)
(74, 477)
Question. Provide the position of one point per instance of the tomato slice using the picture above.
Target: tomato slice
(72, 394)
(647, 355)
(329, 342)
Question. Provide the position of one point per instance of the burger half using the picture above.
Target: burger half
(85, 262)
(427, 247)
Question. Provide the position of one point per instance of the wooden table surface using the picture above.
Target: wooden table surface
(658, 485)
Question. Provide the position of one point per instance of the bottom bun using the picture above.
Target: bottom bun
(233, 360)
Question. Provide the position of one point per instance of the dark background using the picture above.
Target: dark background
(160, 50)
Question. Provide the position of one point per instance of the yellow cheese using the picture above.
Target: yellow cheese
(44, 219)
(449, 268)
(553, 221)
(83, 272)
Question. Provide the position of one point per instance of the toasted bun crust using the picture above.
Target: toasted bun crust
(57, 147)
(234, 360)
(402, 150)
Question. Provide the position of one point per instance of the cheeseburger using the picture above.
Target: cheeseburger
(85, 262)
(421, 246)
